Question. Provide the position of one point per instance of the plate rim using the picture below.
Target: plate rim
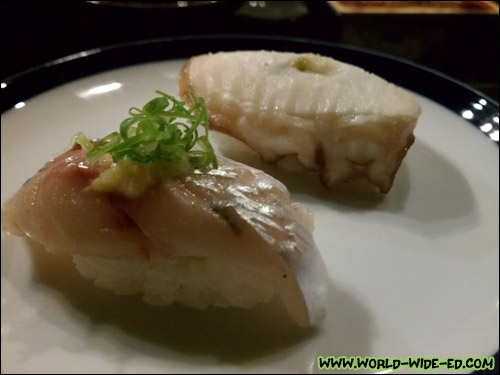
(36, 80)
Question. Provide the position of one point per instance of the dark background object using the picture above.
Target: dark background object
(463, 46)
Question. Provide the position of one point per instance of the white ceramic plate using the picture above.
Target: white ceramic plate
(413, 273)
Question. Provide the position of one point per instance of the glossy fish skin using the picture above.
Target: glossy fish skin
(56, 208)
(333, 117)
(234, 216)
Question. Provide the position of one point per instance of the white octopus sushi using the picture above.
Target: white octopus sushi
(225, 237)
(332, 117)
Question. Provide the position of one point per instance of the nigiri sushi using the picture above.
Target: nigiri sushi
(223, 236)
(330, 116)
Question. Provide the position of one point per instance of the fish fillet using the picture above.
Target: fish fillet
(226, 237)
(332, 117)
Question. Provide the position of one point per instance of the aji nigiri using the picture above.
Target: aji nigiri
(330, 116)
(223, 235)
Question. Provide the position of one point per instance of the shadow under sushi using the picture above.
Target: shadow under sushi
(231, 335)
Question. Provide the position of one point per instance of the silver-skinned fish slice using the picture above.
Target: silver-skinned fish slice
(226, 237)
(332, 117)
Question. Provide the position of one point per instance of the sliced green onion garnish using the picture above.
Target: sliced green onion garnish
(163, 131)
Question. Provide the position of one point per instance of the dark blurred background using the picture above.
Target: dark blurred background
(463, 45)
